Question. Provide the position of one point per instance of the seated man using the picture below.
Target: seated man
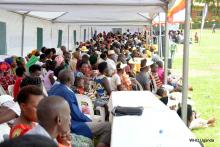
(154, 74)
(80, 124)
(143, 77)
(55, 125)
(30, 141)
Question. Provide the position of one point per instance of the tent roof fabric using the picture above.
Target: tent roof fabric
(88, 11)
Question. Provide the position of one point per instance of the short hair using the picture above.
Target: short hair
(103, 56)
(20, 71)
(81, 64)
(57, 70)
(34, 68)
(64, 76)
(48, 51)
(42, 56)
(159, 63)
(29, 141)
(31, 81)
(53, 50)
(160, 91)
(66, 53)
(154, 65)
(50, 65)
(26, 91)
(63, 46)
(85, 56)
(143, 64)
(102, 66)
(43, 49)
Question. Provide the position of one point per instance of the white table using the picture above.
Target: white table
(144, 131)
(134, 99)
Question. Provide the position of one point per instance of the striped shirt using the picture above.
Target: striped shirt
(157, 80)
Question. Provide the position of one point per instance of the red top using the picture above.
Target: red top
(7, 80)
(17, 87)
(19, 130)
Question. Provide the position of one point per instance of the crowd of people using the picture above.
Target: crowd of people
(43, 100)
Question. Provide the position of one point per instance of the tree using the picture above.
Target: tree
(214, 3)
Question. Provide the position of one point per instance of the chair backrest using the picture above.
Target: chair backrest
(84, 98)
(2, 91)
(136, 85)
(11, 90)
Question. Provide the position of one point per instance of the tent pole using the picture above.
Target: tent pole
(80, 32)
(68, 37)
(166, 47)
(159, 42)
(186, 60)
(151, 33)
(22, 36)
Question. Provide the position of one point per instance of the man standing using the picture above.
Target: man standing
(213, 28)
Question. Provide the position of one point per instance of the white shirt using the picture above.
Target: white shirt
(39, 130)
(111, 65)
(7, 101)
(115, 81)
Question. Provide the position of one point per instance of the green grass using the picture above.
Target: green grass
(204, 76)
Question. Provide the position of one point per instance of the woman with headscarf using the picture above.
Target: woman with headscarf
(6, 78)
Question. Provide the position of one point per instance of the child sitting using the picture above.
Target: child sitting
(79, 85)
(193, 121)
(162, 93)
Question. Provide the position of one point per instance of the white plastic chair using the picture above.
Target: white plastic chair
(2, 91)
(95, 118)
(11, 90)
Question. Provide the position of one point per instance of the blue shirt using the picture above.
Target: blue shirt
(78, 119)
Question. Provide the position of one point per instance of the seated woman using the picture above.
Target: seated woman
(28, 99)
(20, 74)
(103, 87)
(125, 80)
(49, 76)
(6, 78)
(79, 86)
(162, 93)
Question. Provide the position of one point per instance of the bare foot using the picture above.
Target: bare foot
(211, 121)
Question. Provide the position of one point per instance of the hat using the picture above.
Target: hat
(121, 66)
(133, 61)
(4, 67)
(134, 48)
(84, 49)
(149, 62)
(111, 52)
(145, 63)
(98, 52)
(79, 75)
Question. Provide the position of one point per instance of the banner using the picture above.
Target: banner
(178, 6)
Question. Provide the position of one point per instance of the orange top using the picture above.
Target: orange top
(19, 130)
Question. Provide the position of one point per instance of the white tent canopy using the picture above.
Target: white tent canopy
(88, 11)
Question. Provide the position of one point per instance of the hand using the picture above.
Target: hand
(65, 139)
